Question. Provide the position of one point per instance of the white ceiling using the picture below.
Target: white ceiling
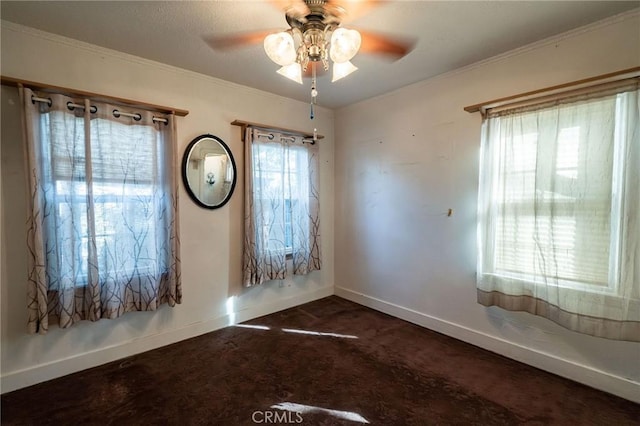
(448, 35)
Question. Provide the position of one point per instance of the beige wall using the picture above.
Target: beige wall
(211, 239)
(403, 159)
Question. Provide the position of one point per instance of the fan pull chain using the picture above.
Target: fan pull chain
(314, 91)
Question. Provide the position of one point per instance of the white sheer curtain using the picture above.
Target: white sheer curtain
(281, 206)
(102, 219)
(559, 206)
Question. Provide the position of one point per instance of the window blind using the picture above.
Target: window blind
(118, 156)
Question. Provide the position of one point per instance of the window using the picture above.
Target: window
(279, 173)
(558, 211)
(282, 207)
(117, 214)
(555, 198)
(102, 226)
(110, 206)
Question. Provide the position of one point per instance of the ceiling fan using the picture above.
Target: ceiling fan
(315, 36)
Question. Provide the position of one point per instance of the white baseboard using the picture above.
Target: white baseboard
(580, 373)
(589, 376)
(47, 371)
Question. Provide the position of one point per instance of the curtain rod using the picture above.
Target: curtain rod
(16, 82)
(94, 109)
(560, 89)
(245, 124)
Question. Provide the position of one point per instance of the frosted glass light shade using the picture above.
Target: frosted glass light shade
(292, 72)
(280, 48)
(344, 44)
(342, 69)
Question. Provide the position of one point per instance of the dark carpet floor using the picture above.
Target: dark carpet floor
(360, 366)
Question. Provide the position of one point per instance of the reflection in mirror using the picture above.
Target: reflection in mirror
(209, 171)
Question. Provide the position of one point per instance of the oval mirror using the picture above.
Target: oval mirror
(209, 171)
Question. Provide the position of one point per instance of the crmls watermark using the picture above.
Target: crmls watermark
(276, 417)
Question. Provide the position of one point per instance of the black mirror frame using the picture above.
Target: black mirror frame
(185, 163)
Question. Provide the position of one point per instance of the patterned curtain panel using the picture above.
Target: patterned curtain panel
(102, 216)
(281, 206)
(559, 213)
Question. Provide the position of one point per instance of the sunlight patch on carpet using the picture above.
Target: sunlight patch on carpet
(318, 333)
(255, 327)
(297, 331)
(304, 409)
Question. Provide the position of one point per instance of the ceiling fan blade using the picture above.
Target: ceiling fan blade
(350, 10)
(377, 43)
(295, 8)
(238, 40)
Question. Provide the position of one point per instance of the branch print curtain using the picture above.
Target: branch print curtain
(559, 213)
(102, 216)
(281, 207)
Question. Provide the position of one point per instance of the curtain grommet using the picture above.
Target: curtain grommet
(35, 99)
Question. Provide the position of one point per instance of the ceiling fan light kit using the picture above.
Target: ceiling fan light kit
(279, 48)
(292, 72)
(342, 69)
(344, 44)
(315, 36)
(313, 47)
